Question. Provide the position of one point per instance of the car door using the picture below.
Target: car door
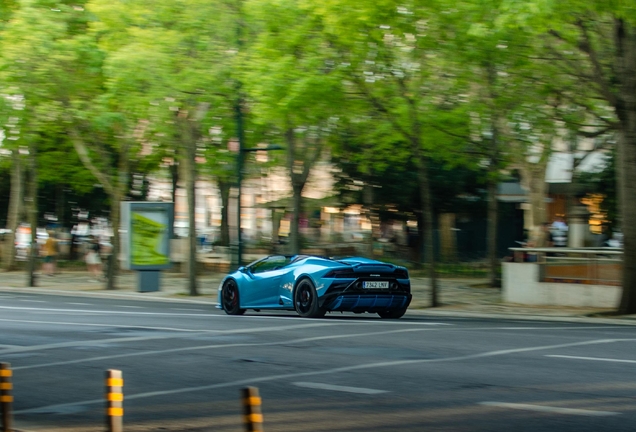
(264, 282)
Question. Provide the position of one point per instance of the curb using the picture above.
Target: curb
(211, 301)
(116, 295)
(521, 317)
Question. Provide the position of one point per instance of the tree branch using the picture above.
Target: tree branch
(588, 108)
(82, 152)
(586, 46)
(381, 108)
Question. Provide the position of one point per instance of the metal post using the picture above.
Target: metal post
(239, 234)
(252, 409)
(6, 399)
(114, 401)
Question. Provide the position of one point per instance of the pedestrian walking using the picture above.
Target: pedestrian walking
(93, 260)
(49, 253)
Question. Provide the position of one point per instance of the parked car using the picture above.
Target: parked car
(313, 285)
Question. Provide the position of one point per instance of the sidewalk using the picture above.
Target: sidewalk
(458, 297)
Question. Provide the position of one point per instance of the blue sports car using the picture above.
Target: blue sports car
(313, 285)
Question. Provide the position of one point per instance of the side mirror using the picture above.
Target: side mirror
(242, 269)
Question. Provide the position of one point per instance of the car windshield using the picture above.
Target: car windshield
(274, 262)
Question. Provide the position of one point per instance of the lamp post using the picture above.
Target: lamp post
(240, 162)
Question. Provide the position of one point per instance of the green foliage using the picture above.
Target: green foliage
(364, 76)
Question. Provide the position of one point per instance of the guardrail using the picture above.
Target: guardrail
(592, 266)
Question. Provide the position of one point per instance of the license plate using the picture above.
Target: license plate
(375, 284)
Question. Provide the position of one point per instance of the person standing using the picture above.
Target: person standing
(93, 260)
(49, 252)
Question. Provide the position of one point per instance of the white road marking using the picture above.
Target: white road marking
(287, 377)
(33, 301)
(374, 321)
(346, 389)
(145, 338)
(77, 324)
(105, 312)
(206, 347)
(592, 358)
(81, 304)
(131, 307)
(550, 409)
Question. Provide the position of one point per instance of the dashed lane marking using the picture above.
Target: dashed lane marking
(156, 337)
(592, 358)
(215, 346)
(550, 409)
(287, 377)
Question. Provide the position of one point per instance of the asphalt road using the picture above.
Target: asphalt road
(185, 363)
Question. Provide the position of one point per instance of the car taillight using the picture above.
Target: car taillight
(339, 274)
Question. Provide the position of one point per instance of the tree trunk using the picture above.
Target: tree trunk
(112, 266)
(120, 190)
(15, 203)
(224, 190)
(276, 217)
(294, 234)
(33, 217)
(59, 204)
(190, 180)
(174, 179)
(447, 237)
(628, 210)
(533, 180)
(493, 268)
(428, 215)
(626, 113)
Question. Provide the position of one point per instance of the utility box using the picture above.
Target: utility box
(146, 230)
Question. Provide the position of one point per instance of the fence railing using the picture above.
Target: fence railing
(592, 266)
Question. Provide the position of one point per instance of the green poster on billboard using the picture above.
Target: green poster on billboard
(147, 241)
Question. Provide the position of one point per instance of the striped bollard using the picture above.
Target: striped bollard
(6, 399)
(252, 409)
(114, 401)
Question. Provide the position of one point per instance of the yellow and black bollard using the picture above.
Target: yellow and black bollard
(6, 399)
(252, 409)
(114, 401)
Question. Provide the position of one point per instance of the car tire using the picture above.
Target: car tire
(230, 298)
(306, 300)
(392, 314)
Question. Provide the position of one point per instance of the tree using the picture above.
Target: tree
(41, 43)
(294, 89)
(391, 65)
(593, 43)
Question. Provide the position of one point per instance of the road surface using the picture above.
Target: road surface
(185, 363)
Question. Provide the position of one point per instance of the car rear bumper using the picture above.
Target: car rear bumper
(367, 302)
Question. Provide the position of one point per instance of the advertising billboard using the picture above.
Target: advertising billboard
(147, 228)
